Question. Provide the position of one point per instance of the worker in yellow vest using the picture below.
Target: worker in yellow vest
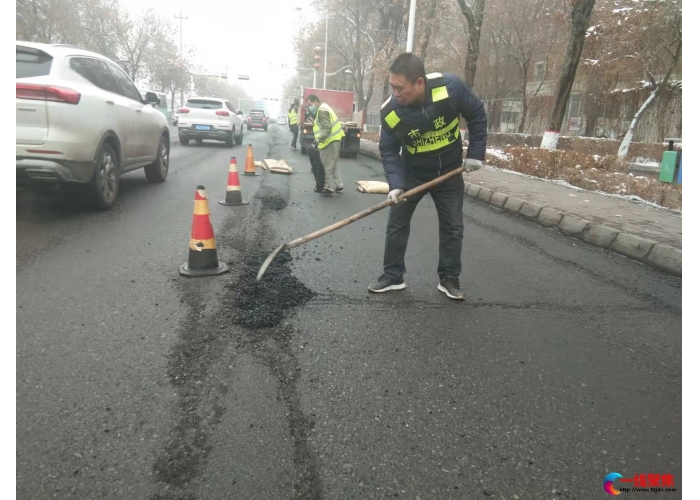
(328, 133)
(293, 119)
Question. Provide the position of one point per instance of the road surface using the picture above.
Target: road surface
(563, 364)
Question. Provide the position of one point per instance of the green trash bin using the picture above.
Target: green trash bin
(668, 166)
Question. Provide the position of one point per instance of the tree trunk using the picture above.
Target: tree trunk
(523, 90)
(591, 114)
(625, 145)
(385, 89)
(475, 18)
(425, 39)
(580, 14)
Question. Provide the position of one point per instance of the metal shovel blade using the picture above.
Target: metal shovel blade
(269, 260)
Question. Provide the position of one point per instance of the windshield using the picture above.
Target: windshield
(203, 104)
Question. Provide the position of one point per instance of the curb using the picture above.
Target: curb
(652, 253)
(658, 255)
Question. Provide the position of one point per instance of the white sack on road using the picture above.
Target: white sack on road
(277, 166)
(372, 187)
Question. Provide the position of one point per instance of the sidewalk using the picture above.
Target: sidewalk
(636, 230)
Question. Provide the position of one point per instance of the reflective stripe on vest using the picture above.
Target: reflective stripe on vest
(432, 143)
(293, 117)
(431, 140)
(336, 129)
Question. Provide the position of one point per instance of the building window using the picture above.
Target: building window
(575, 112)
(540, 71)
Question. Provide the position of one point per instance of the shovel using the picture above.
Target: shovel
(352, 218)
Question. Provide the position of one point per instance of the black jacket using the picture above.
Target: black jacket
(467, 104)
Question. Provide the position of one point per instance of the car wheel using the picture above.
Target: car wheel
(265, 129)
(239, 137)
(105, 185)
(158, 170)
(229, 139)
(248, 127)
(184, 141)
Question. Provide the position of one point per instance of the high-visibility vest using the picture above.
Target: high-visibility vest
(336, 129)
(293, 117)
(432, 135)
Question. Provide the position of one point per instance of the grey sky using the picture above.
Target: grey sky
(250, 37)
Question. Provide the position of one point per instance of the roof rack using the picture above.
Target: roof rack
(71, 46)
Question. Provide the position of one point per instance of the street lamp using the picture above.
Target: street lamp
(348, 71)
(411, 26)
(325, 53)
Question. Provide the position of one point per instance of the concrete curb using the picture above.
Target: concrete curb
(658, 255)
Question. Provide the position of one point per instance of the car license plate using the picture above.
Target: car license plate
(202, 127)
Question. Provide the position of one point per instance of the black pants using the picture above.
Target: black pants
(317, 167)
(295, 130)
(449, 199)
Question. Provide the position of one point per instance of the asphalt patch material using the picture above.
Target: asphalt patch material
(271, 200)
(263, 304)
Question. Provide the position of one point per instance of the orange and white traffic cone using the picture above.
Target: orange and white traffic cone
(234, 197)
(250, 162)
(203, 259)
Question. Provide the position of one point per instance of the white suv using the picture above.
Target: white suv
(81, 122)
(209, 118)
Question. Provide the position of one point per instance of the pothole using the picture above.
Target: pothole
(263, 304)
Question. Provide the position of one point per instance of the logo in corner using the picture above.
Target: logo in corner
(609, 483)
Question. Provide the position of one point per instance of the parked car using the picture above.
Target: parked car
(162, 104)
(209, 118)
(282, 120)
(81, 122)
(257, 119)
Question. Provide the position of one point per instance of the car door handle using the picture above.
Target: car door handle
(109, 102)
(138, 110)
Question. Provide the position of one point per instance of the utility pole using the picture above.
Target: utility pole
(325, 54)
(180, 17)
(411, 26)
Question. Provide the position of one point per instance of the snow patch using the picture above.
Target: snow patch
(560, 182)
(498, 153)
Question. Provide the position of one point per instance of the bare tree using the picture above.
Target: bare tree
(580, 14)
(474, 15)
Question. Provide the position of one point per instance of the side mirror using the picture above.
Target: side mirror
(152, 98)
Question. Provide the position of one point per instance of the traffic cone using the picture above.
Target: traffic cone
(250, 162)
(234, 197)
(202, 260)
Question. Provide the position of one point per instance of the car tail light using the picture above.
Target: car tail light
(47, 93)
(184, 110)
(249, 119)
(222, 112)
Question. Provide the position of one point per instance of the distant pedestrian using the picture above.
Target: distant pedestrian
(419, 141)
(293, 119)
(328, 132)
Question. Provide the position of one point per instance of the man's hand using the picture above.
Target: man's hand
(471, 165)
(394, 195)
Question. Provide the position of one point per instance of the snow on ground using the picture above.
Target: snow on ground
(560, 182)
(645, 161)
(498, 153)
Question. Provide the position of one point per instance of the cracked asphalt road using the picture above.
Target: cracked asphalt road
(563, 364)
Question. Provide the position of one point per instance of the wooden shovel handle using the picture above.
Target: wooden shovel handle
(371, 210)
